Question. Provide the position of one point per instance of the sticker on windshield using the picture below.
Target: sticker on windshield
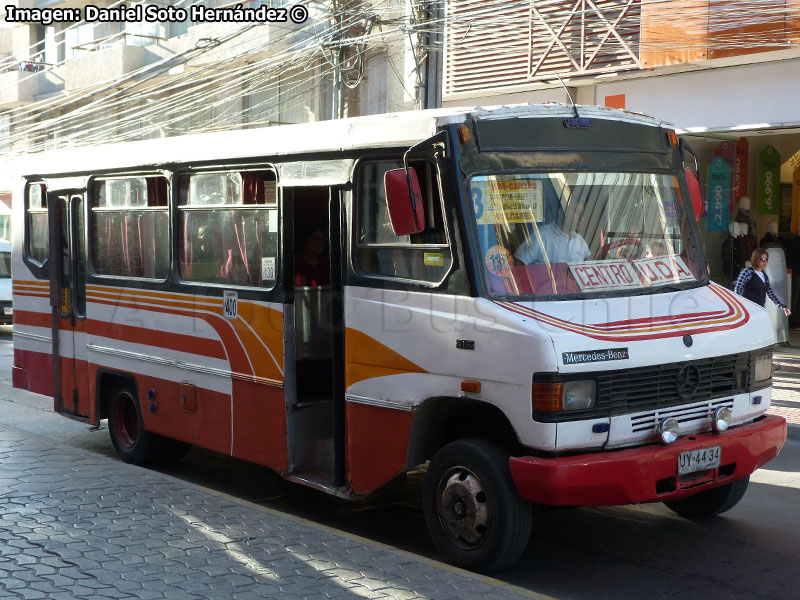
(507, 200)
(498, 261)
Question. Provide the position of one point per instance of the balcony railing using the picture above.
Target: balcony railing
(494, 44)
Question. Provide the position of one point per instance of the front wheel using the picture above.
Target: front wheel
(473, 512)
(132, 442)
(710, 502)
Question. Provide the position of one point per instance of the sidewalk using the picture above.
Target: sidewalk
(77, 525)
(786, 383)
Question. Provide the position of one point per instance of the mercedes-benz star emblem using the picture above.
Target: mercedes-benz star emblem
(688, 381)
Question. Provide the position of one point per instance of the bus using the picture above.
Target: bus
(515, 297)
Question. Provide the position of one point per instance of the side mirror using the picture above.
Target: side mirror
(404, 201)
(695, 191)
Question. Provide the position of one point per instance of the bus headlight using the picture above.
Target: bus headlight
(579, 395)
(763, 367)
(563, 396)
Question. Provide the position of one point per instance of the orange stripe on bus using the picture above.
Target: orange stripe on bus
(367, 358)
(149, 295)
(260, 318)
(237, 358)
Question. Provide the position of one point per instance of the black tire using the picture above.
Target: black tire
(710, 502)
(133, 443)
(473, 512)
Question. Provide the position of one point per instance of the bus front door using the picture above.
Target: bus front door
(68, 302)
(314, 338)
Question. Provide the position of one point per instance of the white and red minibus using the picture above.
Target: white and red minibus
(516, 296)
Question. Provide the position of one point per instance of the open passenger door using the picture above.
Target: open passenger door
(68, 302)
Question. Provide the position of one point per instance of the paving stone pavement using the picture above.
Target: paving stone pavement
(77, 525)
(786, 383)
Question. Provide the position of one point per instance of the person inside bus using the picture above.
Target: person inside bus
(753, 282)
(312, 266)
(559, 241)
(655, 248)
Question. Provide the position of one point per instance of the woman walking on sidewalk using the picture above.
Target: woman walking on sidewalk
(753, 282)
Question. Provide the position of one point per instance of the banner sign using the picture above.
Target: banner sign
(769, 181)
(718, 195)
(740, 169)
(727, 151)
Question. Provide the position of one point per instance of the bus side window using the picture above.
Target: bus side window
(422, 257)
(37, 225)
(228, 230)
(130, 227)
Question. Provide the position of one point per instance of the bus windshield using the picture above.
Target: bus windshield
(556, 234)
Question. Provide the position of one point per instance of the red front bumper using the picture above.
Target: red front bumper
(649, 473)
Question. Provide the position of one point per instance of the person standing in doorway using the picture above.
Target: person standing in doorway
(312, 267)
(753, 282)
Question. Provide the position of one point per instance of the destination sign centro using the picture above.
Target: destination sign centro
(620, 274)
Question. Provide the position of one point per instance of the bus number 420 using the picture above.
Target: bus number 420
(230, 305)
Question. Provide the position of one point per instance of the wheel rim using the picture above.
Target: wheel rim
(127, 421)
(463, 507)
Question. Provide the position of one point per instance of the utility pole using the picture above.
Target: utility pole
(336, 25)
(434, 14)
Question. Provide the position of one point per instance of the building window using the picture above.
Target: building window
(424, 256)
(37, 225)
(130, 227)
(374, 88)
(228, 229)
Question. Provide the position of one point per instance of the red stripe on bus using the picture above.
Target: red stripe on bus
(160, 339)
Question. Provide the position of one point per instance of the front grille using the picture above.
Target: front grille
(653, 388)
(688, 415)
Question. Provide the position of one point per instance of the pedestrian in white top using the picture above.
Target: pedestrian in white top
(560, 240)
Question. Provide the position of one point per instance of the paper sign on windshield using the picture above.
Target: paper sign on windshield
(662, 270)
(506, 200)
(599, 276)
(594, 276)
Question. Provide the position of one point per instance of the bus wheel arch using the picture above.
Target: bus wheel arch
(133, 443)
(473, 512)
(439, 421)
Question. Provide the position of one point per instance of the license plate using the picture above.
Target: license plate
(7, 310)
(692, 461)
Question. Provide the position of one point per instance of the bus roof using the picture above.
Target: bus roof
(393, 130)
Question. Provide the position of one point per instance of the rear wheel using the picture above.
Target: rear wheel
(132, 442)
(475, 516)
(710, 502)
